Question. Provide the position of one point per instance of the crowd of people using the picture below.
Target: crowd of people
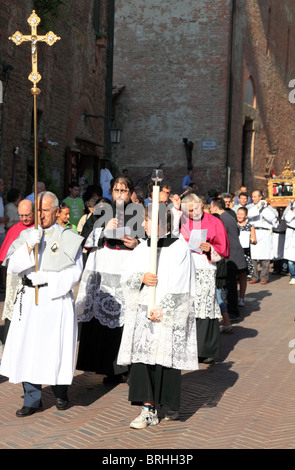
(136, 326)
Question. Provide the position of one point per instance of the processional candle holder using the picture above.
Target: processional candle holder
(157, 176)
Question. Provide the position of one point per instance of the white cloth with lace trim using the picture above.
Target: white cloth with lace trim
(13, 282)
(206, 304)
(100, 293)
(171, 342)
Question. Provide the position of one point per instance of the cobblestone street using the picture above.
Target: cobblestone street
(244, 401)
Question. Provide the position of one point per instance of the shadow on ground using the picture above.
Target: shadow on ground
(253, 302)
(87, 388)
(205, 388)
(229, 342)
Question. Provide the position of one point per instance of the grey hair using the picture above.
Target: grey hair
(52, 196)
(191, 198)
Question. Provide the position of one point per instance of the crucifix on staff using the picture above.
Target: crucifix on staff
(50, 38)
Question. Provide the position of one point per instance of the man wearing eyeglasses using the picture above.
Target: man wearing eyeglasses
(26, 215)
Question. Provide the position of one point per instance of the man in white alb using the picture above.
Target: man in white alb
(41, 342)
(263, 217)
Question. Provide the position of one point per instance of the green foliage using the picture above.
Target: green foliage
(48, 11)
(101, 35)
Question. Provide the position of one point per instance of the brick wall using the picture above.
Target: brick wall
(173, 59)
(73, 79)
(263, 51)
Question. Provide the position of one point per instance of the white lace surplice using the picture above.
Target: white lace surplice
(100, 293)
(172, 342)
(206, 304)
(13, 282)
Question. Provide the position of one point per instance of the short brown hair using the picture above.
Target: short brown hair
(243, 209)
(164, 215)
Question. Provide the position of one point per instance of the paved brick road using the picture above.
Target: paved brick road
(244, 401)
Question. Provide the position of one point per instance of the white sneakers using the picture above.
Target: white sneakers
(241, 303)
(146, 418)
(292, 282)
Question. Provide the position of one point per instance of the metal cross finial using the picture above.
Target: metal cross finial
(50, 38)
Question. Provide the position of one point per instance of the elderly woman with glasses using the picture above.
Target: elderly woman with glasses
(100, 299)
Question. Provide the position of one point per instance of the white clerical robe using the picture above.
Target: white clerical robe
(278, 240)
(171, 342)
(264, 218)
(41, 342)
(289, 248)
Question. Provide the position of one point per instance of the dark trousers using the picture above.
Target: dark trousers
(98, 349)
(155, 383)
(6, 328)
(264, 274)
(33, 392)
(232, 288)
(208, 337)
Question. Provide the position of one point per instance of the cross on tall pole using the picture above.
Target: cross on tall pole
(50, 38)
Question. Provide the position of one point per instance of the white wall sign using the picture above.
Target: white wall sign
(209, 145)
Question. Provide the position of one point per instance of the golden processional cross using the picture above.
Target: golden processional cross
(50, 38)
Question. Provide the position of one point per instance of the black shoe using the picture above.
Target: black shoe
(114, 379)
(61, 404)
(233, 316)
(208, 360)
(205, 360)
(26, 411)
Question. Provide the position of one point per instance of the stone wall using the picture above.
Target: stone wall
(73, 80)
(263, 51)
(173, 59)
(216, 73)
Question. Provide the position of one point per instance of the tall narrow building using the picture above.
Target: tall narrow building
(215, 75)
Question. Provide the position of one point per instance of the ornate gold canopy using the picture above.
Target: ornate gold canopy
(281, 190)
